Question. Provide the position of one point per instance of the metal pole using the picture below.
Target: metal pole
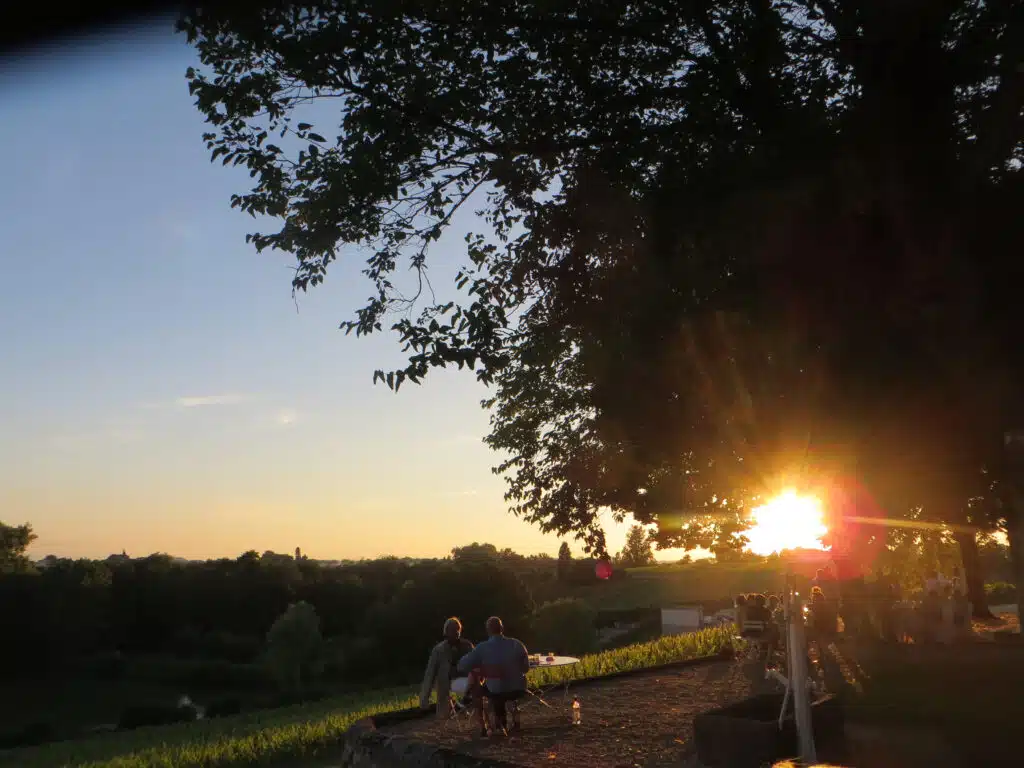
(798, 680)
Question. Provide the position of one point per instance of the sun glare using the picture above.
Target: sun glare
(789, 521)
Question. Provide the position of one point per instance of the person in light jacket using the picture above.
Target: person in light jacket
(441, 667)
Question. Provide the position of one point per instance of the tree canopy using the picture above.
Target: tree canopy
(14, 543)
(723, 242)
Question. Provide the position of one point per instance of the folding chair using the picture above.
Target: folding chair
(458, 715)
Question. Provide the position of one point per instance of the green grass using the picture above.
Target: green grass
(245, 740)
(274, 736)
(640, 656)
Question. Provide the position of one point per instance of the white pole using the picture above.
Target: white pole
(798, 676)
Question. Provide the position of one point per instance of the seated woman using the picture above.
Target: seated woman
(442, 666)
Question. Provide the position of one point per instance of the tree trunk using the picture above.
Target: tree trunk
(974, 578)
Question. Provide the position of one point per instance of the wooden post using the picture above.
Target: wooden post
(798, 675)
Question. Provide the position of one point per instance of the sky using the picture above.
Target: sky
(160, 390)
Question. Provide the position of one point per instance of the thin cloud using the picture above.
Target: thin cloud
(286, 416)
(203, 400)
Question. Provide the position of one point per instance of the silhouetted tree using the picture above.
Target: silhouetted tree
(295, 647)
(780, 164)
(564, 561)
(638, 550)
(14, 543)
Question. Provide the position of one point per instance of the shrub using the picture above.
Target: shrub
(195, 673)
(142, 715)
(1000, 592)
(218, 645)
(295, 647)
(224, 707)
(31, 735)
(565, 626)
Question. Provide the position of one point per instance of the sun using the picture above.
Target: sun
(789, 521)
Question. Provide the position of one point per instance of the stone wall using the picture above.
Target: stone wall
(365, 746)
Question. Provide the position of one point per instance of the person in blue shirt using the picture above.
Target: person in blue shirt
(503, 663)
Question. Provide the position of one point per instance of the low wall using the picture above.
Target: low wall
(365, 746)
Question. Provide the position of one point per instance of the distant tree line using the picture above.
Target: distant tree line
(211, 622)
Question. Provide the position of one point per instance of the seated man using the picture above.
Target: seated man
(503, 662)
(441, 668)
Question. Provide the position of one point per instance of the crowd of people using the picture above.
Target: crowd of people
(941, 613)
(762, 617)
(486, 678)
(945, 609)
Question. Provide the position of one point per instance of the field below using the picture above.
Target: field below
(72, 705)
(704, 582)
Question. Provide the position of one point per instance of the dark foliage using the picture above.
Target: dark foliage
(140, 716)
(29, 736)
(203, 625)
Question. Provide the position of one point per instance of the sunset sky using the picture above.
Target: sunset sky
(159, 388)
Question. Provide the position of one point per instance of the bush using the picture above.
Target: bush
(217, 645)
(565, 626)
(292, 698)
(105, 666)
(1000, 593)
(196, 673)
(31, 735)
(295, 647)
(224, 707)
(142, 715)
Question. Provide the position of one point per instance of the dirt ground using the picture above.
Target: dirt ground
(642, 720)
(1003, 621)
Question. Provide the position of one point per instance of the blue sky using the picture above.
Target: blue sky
(160, 391)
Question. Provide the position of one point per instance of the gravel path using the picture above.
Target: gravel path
(638, 720)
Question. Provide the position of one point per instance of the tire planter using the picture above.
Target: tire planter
(747, 733)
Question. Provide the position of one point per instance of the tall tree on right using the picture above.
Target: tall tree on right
(729, 241)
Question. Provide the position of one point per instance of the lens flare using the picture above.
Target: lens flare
(789, 521)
